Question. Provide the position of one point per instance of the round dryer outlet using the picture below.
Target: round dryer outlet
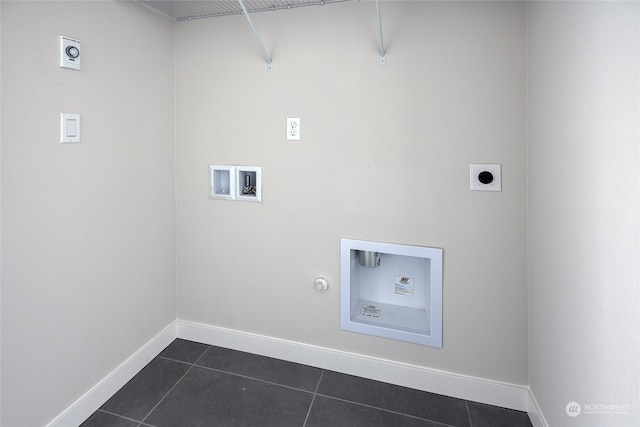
(485, 177)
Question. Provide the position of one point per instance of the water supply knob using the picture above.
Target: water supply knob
(321, 284)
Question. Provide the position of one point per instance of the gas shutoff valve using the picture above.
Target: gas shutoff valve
(321, 284)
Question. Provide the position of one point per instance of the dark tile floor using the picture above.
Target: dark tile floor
(192, 384)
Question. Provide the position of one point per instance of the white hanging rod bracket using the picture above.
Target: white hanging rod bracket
(255, 33)
(383, 59)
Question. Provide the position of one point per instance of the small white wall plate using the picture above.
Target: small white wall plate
(69, 128)
(293, 129)
(485, 177)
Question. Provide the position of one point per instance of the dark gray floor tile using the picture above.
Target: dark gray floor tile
(493, 416)
(136, 398)
(430, 406)
(261, 367)
(183, 350)
(102, 419)
(327, 412)
(210, 398)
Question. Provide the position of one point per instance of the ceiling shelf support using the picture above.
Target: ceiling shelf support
(383, 59)
(255, 33)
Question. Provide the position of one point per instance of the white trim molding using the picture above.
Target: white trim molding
(451, 384)
(93, 399)
(535, 413)
(466, 387)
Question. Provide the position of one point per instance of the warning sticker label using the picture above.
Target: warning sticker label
(404, 285)
(370, 310)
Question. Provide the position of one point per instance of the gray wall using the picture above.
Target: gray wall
(88, 230)
(384, 156)
(584, 213)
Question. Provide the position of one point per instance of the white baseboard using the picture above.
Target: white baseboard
(417, 377)
(79, 411)
(535, 413)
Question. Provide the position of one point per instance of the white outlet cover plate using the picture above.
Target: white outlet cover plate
(293, 129)
(477, 168)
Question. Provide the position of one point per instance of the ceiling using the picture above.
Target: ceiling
(185, 10)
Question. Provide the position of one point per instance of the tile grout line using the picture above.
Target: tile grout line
(313, 399)
(466, 404)
(174, 386)
(166, 394)
(222, 371)
(385, 410)
(175, 360)
(116, 415)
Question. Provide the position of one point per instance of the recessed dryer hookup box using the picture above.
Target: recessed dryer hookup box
(391, 291)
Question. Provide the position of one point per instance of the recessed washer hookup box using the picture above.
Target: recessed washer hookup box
(391, 290)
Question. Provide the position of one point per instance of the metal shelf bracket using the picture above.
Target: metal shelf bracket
(383, 59)
(255, 33)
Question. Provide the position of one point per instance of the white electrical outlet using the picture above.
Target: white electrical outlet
(485, 177)
(293, 129)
